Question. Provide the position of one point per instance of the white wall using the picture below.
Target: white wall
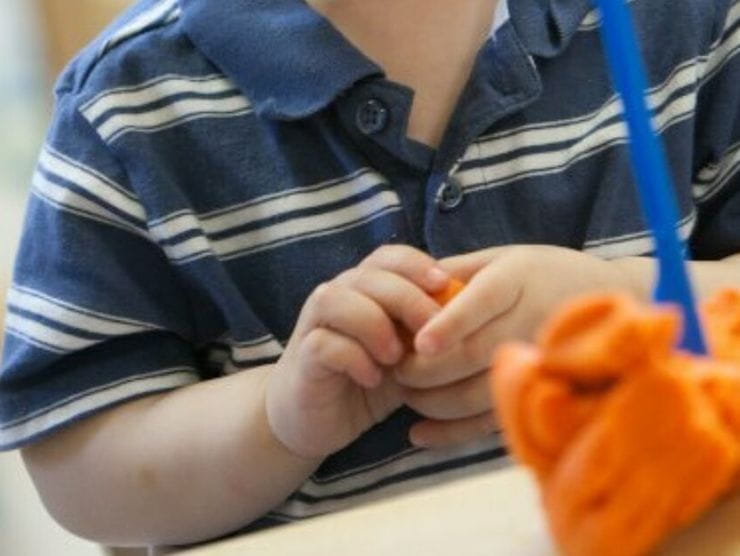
(25, 528)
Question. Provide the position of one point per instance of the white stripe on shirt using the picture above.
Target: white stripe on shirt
(500, 16)
(691, 72)
(44, 335)
(336, 491)
(296, 229)
(713, 178)
(588, 144)
(64, 199)
(93, 182)
(638, 243)
(268, 206)
(592, 20)
(293, 229)
(726, 47)
(61, 412)
(266, 347)
(28, 300)
(155, 90)
(561, 131)
(170, 115)
(150, 17)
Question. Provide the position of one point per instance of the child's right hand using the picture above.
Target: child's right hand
(330, 386)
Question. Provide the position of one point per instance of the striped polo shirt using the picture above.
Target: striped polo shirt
(211, 162)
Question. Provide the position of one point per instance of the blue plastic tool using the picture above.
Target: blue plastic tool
(650, 167)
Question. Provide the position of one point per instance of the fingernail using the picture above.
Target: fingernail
(437, 278)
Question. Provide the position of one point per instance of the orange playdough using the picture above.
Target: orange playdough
(629, 438)
(454, 286)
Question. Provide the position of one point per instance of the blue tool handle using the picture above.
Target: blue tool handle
(649, 164)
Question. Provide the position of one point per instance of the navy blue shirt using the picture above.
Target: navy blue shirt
(211, 162)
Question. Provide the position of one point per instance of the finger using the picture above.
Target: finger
(400, 298)
(465, 266)
(337, 354)
(421, 371)
(352, 314)
(490, 294)
(460, 400)
(463, 359)
(444, 434)
(413, 264)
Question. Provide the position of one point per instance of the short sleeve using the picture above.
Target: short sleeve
(95, 314)
(716, 187)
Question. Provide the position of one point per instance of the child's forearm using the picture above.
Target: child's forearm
(707, 276)
(174, 468)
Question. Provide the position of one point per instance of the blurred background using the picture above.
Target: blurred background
(37, 38)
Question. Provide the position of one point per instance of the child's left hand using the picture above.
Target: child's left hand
(509, 291)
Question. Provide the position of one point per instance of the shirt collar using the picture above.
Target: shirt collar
(545, 27)
(291, 62)
(286, 58)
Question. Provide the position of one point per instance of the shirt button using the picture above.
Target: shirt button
(372, 117)
(451, 195)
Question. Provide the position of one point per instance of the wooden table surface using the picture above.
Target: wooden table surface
(492, 514)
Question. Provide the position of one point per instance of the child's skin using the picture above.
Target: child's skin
(206, 459)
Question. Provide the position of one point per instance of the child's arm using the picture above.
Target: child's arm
(206, 459)
(707, 276)
(168, 469)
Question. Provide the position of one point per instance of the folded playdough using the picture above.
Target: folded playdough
(628, 437)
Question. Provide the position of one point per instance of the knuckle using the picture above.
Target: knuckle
(316, 344)
(389, 255)
(351, 276)
(322, 295)
(360, 275)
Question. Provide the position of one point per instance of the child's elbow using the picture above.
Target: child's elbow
(59, 477)
(45, 463)
(80, 474)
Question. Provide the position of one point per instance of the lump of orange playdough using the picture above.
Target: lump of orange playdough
(629, 438)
